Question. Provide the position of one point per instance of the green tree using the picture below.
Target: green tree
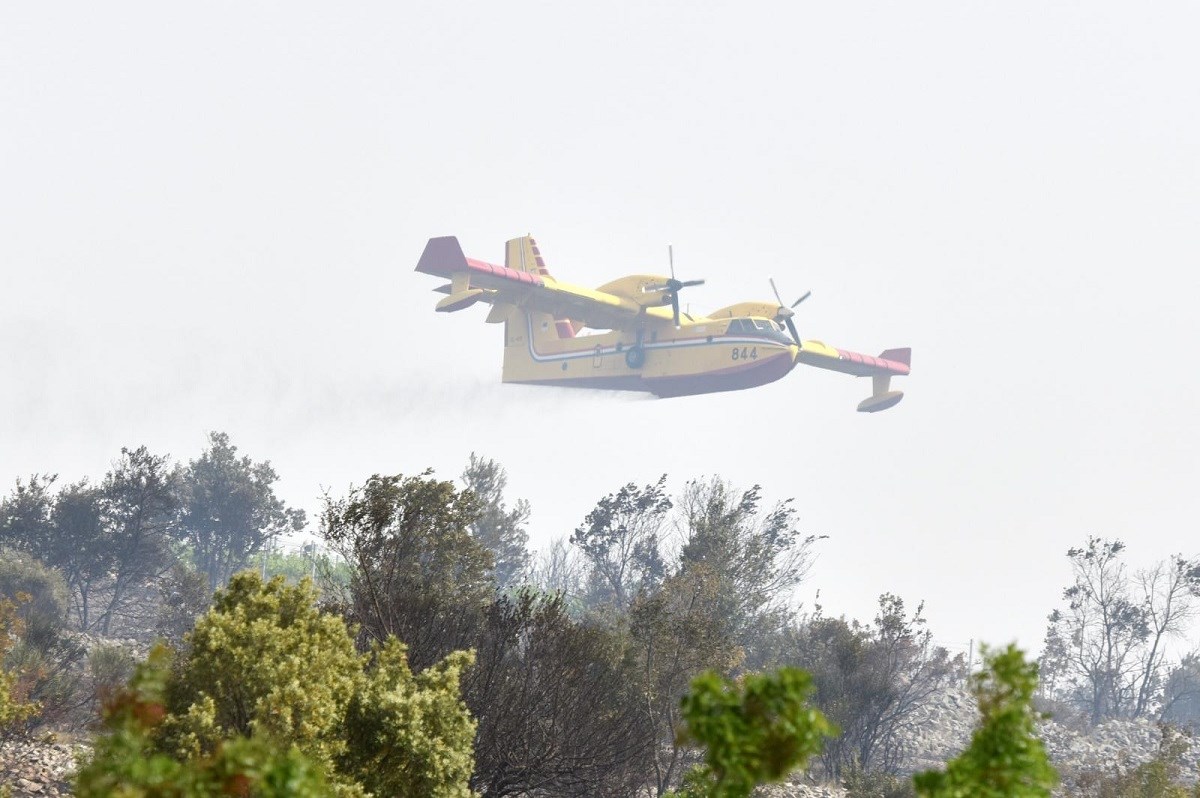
(184, 595)
(1181, 693)
(498, 528)
(757, 552)
(229, 510)
(25, 516)
(1005, 758)
(81, 548)
(416, 572)
(621, 543)
(139, 510)
(754, 732)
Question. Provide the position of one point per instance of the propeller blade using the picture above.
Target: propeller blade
(791, 325)
(675, 308)
(671, 259)
(807, 294)
(771, 280)
(687, 283)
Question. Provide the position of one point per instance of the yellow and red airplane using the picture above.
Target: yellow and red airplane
(629, 334)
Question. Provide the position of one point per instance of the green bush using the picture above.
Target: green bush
(1005, 758)
(271, 688)
(109, 669)
(410, 735)
(13, 708)
(42, 657)
(754, 732)
(263, 660)
(44, 612)
(125, 761)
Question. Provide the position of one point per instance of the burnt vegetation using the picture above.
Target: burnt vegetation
(581, 655)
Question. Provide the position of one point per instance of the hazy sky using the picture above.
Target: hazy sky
(210, 214)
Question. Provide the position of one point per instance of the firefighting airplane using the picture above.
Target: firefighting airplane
(552, 331)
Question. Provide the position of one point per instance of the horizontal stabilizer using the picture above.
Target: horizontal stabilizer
(442, 257)
(460, 300)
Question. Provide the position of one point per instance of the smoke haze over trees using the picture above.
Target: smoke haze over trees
(580, 656)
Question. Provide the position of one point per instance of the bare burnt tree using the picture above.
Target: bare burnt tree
(870, 680)
(1181, 693)
(556, 703)
(1106, 649)
(677, 632)
(557, 569)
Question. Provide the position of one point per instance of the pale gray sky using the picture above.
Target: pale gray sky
(210, 215)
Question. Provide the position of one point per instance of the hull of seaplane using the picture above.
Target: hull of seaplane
(695, 364)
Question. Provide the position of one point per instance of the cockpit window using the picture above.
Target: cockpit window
(759, 328)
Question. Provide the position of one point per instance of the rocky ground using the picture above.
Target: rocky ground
(38, 769)
(943, 728)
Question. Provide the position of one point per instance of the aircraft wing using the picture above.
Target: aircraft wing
(475, 280)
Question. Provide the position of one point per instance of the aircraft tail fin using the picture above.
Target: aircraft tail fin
(903, 355)
(522, 255)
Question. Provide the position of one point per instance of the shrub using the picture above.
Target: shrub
(863, 784)
(40, 655)
(754, 732)
(410, 735)
(1005, 758)
(266, 670)
(1161, 777)
(125, 762)
(44, 612)
(109, 669)
(13, 709)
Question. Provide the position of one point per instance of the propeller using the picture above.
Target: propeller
(673, 286)
(786, 311)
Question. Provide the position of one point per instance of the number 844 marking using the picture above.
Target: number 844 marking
(745, 353)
